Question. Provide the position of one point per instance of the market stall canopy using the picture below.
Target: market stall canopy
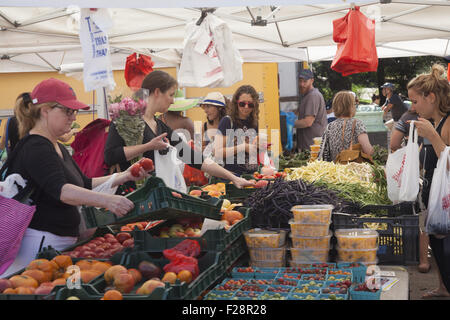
(44, 38)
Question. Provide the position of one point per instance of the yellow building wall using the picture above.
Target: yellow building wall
(262, 76)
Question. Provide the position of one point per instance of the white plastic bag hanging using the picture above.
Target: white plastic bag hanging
(168, 168)
(97, 71)
(402, 170)
(438, 220)
(8, 188)
(200, 65)
(411, 173)
(210, 58)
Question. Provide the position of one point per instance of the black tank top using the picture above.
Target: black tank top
(431, 160)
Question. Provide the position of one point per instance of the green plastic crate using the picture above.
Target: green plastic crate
(212, 240)
(154, 201)
(234, 193)
(212, 265)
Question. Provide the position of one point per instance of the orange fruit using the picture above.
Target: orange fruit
(137, 275)
(101, 266)
(112, 295)
(185, 275)
(170, 277)
(36, 274)
(63, 261)
(59, 282)
(84, 264)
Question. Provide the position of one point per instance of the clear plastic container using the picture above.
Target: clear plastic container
(317, 213)
(268, 264)
(267, 253)
(357, 255)
(259, 238)
(356, 238)
(310, 255)
(299, 229)
(315, 147)
(317, 140)
(311, 242)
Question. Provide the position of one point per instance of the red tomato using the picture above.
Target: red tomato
(147, 164)
(135, 170)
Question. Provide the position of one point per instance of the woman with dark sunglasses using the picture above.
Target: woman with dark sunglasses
(236, 141)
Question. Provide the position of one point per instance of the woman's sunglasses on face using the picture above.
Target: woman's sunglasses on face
(242, 104)
(69, 112)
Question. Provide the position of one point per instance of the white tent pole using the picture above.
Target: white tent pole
(319, 12)
(423, 2)
(25, 50)
(295, 42)
(47, 16)
(168, 26)
(384, 19)
(406, 50)
(7, 19)
(40, 33)
(42, 58)
(253, 36)
(421, 26)
(446, 47)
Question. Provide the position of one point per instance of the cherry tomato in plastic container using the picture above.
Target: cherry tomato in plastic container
(147, 164)
(135, 170)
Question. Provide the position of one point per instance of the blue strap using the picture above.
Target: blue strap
(214, 101)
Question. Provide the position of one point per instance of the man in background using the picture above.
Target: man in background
(312, 116)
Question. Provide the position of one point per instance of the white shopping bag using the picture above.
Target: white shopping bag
(402, 170)
(170, 169)
(8, 188)
(438, 220)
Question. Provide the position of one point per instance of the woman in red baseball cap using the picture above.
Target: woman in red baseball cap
(57, 182)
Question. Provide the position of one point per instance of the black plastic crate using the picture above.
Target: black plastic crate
(155, 201)
(211, 240)
(394, 210)
(398, 236)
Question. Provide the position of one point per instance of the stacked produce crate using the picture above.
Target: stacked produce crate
(310, 234)
(315, 148)
(267, 248)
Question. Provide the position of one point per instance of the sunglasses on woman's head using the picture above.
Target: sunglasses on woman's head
(69, 112)
(242, 104)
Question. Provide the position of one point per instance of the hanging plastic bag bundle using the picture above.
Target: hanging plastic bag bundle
(356, 48)
(438, 220)
(402, 170)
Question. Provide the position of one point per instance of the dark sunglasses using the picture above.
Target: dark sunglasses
(242, 104)
(69, 112)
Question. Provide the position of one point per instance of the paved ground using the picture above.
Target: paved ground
(420, 283)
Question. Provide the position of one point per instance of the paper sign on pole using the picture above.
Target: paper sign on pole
(95, 45)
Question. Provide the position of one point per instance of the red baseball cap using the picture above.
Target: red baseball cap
(54, 90)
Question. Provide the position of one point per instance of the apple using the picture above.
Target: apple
(122, 236)
(150, 285)
(112, 240)
(128, 243)
(197, 232)
(99, 250)
(101, 239)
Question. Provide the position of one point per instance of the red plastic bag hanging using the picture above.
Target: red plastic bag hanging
(136, 68)
(355, 38)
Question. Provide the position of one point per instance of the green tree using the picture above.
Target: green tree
(398, 71)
